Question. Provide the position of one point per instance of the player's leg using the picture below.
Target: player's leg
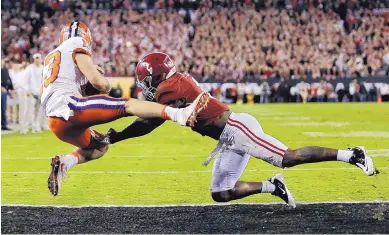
(60, 164)
(102, 109)
(184, 116)
(260, 145)
(89, 148)
(356, 156)
(76, 131)
(228, 168)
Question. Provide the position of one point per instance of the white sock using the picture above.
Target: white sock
(171, 113)
(344, 155)
(268, 187)
(69, 160)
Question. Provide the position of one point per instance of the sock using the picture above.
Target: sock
(267, 187)
(70, 160)
(169, 113)
(344, 155)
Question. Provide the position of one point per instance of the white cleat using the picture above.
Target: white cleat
(361, 160)
(187, 116)
(36, 131)
(58, 170)
(281, 190)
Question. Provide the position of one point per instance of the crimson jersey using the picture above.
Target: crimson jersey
(182, 87)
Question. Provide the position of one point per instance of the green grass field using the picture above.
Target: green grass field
(165, 166)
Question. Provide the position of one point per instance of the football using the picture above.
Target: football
(90, 90)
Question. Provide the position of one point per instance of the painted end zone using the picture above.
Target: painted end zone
(238, 218)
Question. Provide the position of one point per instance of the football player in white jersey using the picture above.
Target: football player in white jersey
(68, 69)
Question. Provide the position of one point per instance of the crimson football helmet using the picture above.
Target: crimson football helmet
(151, 70)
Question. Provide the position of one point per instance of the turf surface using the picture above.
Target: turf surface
(309, 219)
(165, 166)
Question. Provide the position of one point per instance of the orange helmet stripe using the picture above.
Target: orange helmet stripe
(77, 29)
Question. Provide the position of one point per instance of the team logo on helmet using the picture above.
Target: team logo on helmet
(147, 67)
(168, 62)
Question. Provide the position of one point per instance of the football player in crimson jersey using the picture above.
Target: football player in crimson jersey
(239, 135)
(67, 69)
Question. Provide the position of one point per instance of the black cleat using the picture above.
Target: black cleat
(281, 190)
(361, 160)
(111, 132)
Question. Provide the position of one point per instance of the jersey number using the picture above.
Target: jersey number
(51, 72)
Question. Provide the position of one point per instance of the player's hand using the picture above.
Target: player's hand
(3, 89)
(28, 94)
(100, 69)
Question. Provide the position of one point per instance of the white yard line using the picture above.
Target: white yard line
(260, 113)
(336, 124)
(179, 172)
(371, 134)
(286, 118)
(113, 157)
(196, 205)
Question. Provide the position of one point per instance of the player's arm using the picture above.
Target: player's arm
(142, 126)
(94, 76)
(138, 128)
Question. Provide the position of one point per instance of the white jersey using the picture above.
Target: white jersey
(62, 78)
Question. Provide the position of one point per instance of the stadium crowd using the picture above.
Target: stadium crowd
(226, 41)
(214, 40)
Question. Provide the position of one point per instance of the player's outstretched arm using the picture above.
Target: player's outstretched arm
(138, 128)
(94, 76)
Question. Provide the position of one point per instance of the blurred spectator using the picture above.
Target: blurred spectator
(21, 87)
(302, 94)
(321, 91)
(363, 92)
(6, 88)
(264, 92)
(35, 113)
(331, 94)
(354, 90)
(223, 40)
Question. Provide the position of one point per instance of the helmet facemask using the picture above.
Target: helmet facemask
(149, 85)
(147, 90)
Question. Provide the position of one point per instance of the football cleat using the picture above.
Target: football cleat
(100, 138)
(361, 160)
(58, 170)
(108, 135)
(281, 190)
(187, 116)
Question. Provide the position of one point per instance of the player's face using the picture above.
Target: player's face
(157, 79)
